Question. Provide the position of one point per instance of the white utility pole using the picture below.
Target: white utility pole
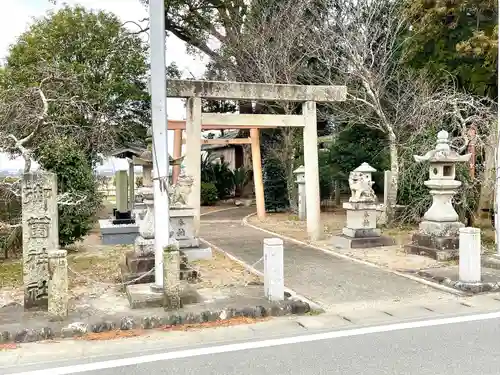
(497, 181)
(497, 192)
(159, 124)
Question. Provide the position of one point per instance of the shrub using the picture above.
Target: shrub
(275, 187)
(208, 194)
(356, 144)
(75, 177)
(223, 179)
(218, 174)
(328, 174)
(242, 177)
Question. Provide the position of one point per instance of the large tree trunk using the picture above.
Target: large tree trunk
(486, 196)
(292, 189)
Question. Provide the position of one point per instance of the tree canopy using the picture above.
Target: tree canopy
(97, 73)
(455, 41)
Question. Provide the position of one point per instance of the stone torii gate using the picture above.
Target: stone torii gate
(194, 91)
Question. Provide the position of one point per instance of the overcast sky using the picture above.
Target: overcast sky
(16, 15)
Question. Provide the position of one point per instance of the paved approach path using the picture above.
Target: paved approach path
(321, 277)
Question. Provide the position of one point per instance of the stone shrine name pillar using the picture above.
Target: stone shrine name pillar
(40, 234)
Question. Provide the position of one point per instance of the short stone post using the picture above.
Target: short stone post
(274, 280)
(301, 184)
(469, 268)
(171, 276)
(58, 284)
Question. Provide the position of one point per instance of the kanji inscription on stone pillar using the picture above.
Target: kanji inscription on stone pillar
(40, 234)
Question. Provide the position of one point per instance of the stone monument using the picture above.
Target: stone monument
(122, 213)
(362, 210)
(438, 235)
(300, 174)
(40, 235)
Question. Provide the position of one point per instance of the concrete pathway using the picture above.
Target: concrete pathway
(323, 278)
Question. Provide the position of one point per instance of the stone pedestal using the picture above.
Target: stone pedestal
(438, 232)
(182, 229)
(361, 228)
(141, 260)
(122, 234)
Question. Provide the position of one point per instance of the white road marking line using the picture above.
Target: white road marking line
(256, 345)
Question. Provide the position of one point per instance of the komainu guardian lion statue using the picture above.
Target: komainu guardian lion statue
(361, 188)
(178, 193)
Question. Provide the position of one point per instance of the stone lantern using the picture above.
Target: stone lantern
(300, 175)
(438, 231)
(362, 209)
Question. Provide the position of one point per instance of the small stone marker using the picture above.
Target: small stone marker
(274, 280)
(58, 284)
(171, 276)
(40, 234)
(301, 185)
(469, 268)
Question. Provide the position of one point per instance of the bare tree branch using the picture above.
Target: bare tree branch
(59, 106)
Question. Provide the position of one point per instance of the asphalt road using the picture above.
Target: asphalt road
(416, 348)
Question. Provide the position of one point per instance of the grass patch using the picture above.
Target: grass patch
(314, 312)
(11, 274)
(103, 266)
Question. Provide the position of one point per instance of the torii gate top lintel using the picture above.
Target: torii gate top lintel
(195, 91)
(177, 88)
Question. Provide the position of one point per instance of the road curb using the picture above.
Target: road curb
(221, 210)
(442, 288)
(75, 329)
(294, 295)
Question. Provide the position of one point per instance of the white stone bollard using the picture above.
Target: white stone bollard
(58, 284)
(274, 280)
(469, 268)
